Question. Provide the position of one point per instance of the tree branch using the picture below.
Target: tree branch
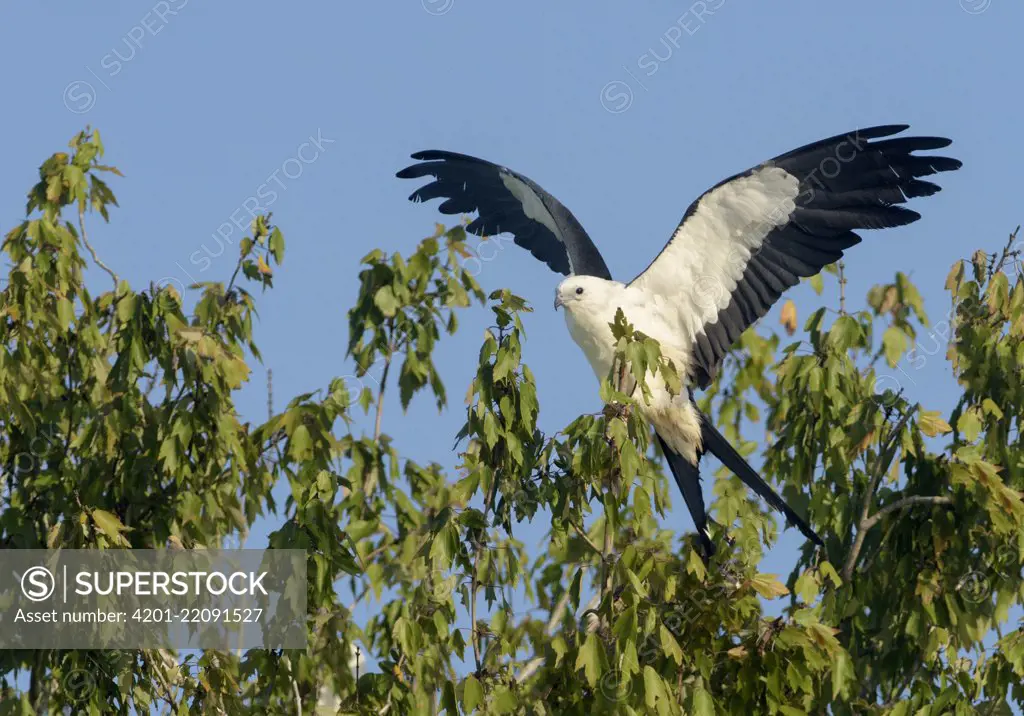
(85, 240)
(583, 536)
(1006, 254)
(842, 287)
(885, 457)
(530, 668)
(380, 397)
(904, 503)
(606, 573)
(474, 636)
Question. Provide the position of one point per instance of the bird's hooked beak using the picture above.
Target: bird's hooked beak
(558, 300)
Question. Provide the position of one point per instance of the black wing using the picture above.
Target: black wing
(507, 203)
(751, 237)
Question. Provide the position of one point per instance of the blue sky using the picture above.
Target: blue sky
(626, 112)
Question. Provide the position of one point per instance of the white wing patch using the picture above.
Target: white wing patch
(532, 206)
(693, 278)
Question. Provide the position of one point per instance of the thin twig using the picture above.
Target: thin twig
(162, 677)
(870, 559)
(85, 240)
(842, 287)
(583, 535)
(270, 394)
(885, 457)
(234, 275)
(298, 696)
(606, 572)
(1007, 253)
(380, 397)
(475, 584)
(530, 668)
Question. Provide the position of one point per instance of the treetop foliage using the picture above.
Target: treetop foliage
(118, 428)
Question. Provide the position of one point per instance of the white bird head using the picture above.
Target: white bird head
(577, 292)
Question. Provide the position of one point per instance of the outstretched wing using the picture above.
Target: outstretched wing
(507, 203)
(749, 238)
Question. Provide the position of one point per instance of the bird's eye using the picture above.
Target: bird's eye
(579, 291)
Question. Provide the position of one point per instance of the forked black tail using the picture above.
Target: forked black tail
(688, 479)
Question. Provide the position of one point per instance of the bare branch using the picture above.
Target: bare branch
(85, 240)
(1007, 253)
(906, 502)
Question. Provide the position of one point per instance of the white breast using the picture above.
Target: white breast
(674, 417)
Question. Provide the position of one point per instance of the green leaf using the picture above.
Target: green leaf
(670, 646)
(894, 343)
(504, 701)
(504, 364)
(828, 571)
(955, 277)
(845, 333)
(807, 586)
(703, 704)
(574, 589)
(768, 586)
(473, 693)
(108, 523)
(969, 425)
(385, 300)
(126, 307)
(300, 443)
(448, 701)
(990, 408)
(276, 245)
(695, 566)
(654, 688)
(931, 424)
(65, 312)
(592, 659)
(842, 675)
(817, 283)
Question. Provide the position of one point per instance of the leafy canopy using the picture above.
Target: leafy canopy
(118, 428)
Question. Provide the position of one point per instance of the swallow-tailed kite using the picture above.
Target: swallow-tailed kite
(739, 246)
